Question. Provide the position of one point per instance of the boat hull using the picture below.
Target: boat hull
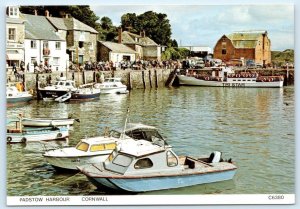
(192, 81)
(46, 122)
(51, 94)
(78, 96)
(71, 163)
(113, 90)
(12, 101)
(144, 184)
(35, 136)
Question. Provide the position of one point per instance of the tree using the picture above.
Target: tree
(107, 31)
(155, 25)
(82, 12)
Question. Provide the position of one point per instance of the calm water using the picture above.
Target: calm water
(255, 127)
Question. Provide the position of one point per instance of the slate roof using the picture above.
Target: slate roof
(39, 28)
(129, 38)
(245, 39)
(118, 48)
(70, 24)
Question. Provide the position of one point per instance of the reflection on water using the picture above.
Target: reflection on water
(255, 127)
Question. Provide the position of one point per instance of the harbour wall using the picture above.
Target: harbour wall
(136, 79)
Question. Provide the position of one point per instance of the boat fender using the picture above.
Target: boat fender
(215, 157)
(23, 140)
(59, 135)
(31, 91)
(8, 139)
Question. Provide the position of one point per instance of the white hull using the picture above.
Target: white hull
(39, 122)
(113, 90)
(192, 81)
(36, 136)
(72, 162)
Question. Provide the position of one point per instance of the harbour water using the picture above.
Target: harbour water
(254, 127)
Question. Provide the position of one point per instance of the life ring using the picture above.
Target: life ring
(23, 140)
(8, 139)
(59, 135)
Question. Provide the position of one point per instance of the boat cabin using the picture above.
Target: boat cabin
(140, 131)
(141, 156)
(65, 84)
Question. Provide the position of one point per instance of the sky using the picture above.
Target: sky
(203, 25)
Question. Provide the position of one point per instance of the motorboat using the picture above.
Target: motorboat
(87, 151)
(97, 149)
(61, 87)
(20, 134)
(45, 122)
(15, 95)
(86, 92)
(112, 86)
(223, 76)
(141, 166)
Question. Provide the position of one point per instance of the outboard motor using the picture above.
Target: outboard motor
(215, 157)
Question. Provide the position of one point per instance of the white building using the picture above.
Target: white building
(43, 45)
(15, 35)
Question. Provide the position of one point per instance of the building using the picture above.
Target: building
(115, 52)
(146, 48)
(43, 45)
(81, 39)
(246, 45)
(15, 36)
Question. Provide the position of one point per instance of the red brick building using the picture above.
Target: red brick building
(247, 45)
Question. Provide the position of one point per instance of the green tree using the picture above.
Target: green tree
(107, 30)
(156, 25)
(82, 12)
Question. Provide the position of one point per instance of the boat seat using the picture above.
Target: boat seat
(190, 163)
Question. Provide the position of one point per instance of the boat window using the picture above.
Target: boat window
(143, 163)
(97, 147)
(136, 134)
(110, 146)
(82, 146)
(61, 83)
(122, 160)
(234, 79)
(248, 80)
(171, 159)
(68, 84)
(56, 83)
(239, 79)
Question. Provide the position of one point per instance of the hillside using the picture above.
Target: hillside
(279, 58)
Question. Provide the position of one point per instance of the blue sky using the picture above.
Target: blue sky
(203, 25)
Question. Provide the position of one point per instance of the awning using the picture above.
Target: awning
(14, 55)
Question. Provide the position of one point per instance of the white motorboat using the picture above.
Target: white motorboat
(97, 149)
(112, 86)
(89, 150)
(226, 77)
(15, 95)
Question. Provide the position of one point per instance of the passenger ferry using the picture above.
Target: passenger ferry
(226, 77)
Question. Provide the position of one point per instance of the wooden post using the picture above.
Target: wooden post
(143, 77)
(129, 81)
(150, 78)
(156, 79)
(37, 87)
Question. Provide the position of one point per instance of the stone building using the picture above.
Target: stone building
(145, 47)
(81, 39)
(115, 52)
(246, 45)
(15, 36)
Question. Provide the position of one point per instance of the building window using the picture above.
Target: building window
(45, 44)
(143, 163)
(57, 45)
(13, 11)
(33, 60)
(11, 34)
(33, 44)
(80, 44)
(223, 51)
(55, 60)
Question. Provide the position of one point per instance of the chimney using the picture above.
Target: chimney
(143, 34)
(47, 13)
(35, 12)
(67, 15)
(119, 35)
